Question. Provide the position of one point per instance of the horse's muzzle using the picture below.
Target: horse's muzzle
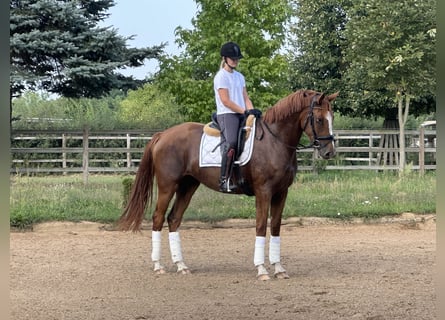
(326, 150)
(329, 154)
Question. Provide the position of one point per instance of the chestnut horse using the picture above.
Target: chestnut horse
(172, 156)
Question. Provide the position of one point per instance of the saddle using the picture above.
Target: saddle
(213, 129)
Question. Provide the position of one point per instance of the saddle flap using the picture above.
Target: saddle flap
(209, 153)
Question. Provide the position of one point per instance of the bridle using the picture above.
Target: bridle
(311, 119)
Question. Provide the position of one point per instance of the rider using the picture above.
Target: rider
(232, 102)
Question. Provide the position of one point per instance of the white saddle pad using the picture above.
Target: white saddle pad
(210, 151)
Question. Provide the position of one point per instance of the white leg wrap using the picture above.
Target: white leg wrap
(274, 249)
(175, 246)
(156, 246)
(280, 270)
(262, 271)
(258, 258)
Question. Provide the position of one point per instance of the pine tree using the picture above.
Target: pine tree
(58, 46)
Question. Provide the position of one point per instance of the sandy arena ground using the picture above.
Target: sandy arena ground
(337, 271)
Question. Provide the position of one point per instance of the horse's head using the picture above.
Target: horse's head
(318, 124)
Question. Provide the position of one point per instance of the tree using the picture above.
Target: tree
(392, 51)
(149, 107)
(257, 26)
(37, 110)
(57, 46)
(318, 44)
(320, 60)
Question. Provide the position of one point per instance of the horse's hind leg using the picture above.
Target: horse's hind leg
(164, 197)
(184, 193)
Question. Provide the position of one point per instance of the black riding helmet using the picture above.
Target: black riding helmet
(231, 50)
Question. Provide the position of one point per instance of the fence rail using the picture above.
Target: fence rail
(111, 152)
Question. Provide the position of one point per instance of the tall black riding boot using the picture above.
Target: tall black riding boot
(225, 184)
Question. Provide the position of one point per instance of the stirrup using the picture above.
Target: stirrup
(226, 187)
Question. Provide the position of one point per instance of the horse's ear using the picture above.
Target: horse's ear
(320, 98)
(333, 96)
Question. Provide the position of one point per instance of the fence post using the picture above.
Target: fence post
(128, 153)
(64, 153)
(85, 154)
(314, 161)
(422, 150)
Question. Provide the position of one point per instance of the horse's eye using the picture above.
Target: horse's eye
(319, 120)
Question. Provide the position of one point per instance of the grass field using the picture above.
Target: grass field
(340, 194)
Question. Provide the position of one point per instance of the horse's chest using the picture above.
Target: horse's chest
(283, 177)
(288, 176)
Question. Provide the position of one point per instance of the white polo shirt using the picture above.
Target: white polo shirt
(234, 82)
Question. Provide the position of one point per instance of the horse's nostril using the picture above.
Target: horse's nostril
(329, 155)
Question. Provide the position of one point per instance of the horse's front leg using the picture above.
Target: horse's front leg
(276, 211)
(262, 211)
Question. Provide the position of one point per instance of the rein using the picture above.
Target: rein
(298, 147)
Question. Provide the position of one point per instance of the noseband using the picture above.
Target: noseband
(310, 119)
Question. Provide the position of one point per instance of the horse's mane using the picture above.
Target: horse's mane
(287, 106)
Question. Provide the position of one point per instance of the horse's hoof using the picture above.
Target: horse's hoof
(263, 277)
(184, 271)
(160, 271)
(281, 275)
(182, 268)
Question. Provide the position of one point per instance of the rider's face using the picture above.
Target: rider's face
(233, 61)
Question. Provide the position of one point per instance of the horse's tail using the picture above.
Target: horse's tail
(141, 191)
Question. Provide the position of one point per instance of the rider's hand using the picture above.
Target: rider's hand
(257, 113)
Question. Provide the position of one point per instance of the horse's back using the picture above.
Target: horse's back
(179, 142)
(184, 133)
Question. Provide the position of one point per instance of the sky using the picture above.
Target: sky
(152, 22)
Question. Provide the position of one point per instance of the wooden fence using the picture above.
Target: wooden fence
(101, 152)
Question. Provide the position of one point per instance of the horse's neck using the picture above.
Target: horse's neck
(288, 133)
